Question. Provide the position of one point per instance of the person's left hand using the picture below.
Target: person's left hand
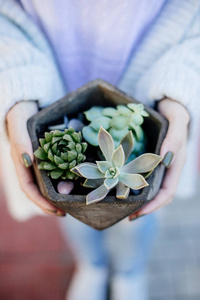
(175, 141)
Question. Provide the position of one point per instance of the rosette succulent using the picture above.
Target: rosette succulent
(117, 121)
(113, 172)
(61, 151)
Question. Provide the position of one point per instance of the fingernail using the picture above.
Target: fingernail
(26, 160)
(59, 214)
(135, 217)
(167, 160)
(54, 211)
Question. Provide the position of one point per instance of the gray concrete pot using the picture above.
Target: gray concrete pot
(111, 210)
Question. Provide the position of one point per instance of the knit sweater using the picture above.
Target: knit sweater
(166, 63)
(90, 38)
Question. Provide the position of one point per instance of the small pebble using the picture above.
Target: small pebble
(65, 187)
(76, 124)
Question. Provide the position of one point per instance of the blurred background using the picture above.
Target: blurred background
(36, 263)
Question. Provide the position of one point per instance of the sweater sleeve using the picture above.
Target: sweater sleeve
(176, 74)
(27, 67)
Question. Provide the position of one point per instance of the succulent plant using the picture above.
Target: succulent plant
(117, 121)
(105, 175)
(61, 151)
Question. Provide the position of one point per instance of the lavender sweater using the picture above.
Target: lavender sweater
(90, 38)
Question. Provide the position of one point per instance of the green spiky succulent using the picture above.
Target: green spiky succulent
(61, 151)
(113, 171)
(117, 121)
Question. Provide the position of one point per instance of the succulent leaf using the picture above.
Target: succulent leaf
(69, 130)
(56, 139)
(50, 155)
(71, 145)
(142, 164)
(88, 170)
(68, 138)
(72, 164)
(93, 183)
(70, 175)
(64, 156)
(133, 181)
(90, 135)
(81, 157)
(124, 110)
(48, 136)
(101, 121)
(71, 155)
(137, 119)
(138, 108)
(76, 137)
(106, 144)
(84, 147)
(122, 191)
(119, 122)
(138, 130)
(118, 157)
(58, 133)
(109, 111)
(64, 166)
(78, 148)
(49, 166)
(42, 142)
(54, 148)
(93, 113)
(104, 165)
(62, 143)
(127, 143)
(118, 134)
(58, 160)
(40, 153)
(55, 174)
(111, 182)
(97, 195)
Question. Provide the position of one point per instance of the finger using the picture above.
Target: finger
(29, 187)
(22, 154)
(167, 192)
(175, 142)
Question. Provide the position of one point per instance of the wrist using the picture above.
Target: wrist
(20, 113)
(173, 109)
(22, 108)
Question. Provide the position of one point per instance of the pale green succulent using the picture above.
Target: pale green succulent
(117, 121)
(105, 175)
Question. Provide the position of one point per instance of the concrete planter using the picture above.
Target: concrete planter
(111, 210)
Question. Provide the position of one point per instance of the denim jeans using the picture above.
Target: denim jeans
(124, 248)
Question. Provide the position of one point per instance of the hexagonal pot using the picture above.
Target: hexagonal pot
(110, 210)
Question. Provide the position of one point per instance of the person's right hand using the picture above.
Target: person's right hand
(22, 153)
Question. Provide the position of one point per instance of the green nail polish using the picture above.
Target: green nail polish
(168, 159)
(61, 214)
(26, 160)
(52, 211)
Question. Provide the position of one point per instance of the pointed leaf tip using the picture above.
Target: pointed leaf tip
(106, 143)
(97, 195)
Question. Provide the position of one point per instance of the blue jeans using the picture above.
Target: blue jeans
(124, 247)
